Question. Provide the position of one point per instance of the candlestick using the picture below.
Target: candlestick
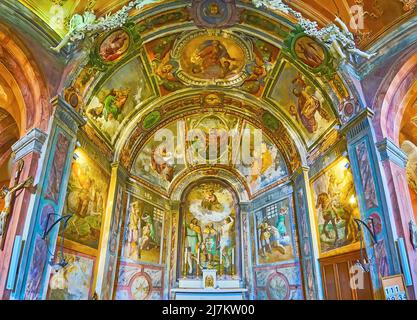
(197, 270)
(233, 261)
(185, 262)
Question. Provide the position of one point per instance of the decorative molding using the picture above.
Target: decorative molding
(357, 124)
(33, 141)
(122, 172)
(300, 171)
(337, 38)
(390, 151)
(67, 114)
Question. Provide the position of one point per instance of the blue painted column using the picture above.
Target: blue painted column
(47, 203)
(373, 197)
(309, 255)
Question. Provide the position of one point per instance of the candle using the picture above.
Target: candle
(185, 257)
(233, 255)
(198, 255)
(221, 255)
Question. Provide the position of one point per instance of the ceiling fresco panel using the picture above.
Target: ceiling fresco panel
(303, 103)
(119, 97)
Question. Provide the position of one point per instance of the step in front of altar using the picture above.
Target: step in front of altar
(209, 294)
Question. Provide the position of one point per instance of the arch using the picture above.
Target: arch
(396, 91)
(134, 135)
(9, 134)
(19, 70)
(235, 181)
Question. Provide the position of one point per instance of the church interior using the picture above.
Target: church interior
(208, 150)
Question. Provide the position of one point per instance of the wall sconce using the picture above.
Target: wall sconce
(47, 230)
(365, 264)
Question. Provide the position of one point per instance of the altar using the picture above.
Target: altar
(209, 287)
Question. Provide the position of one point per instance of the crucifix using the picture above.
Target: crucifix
(9, 196)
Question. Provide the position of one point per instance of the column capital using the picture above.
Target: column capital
(357, 124)
(121, 171)
(245, 207)
(299, 171)
(175, 205)
(33, 141)
(390, 151)
(67, 114)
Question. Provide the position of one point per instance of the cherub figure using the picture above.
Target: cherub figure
(342, 40)
(87, 24)
(78, 27)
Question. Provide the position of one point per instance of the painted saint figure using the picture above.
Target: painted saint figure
(264, 237)
(210, 243)
(225, 237)
(212, 59)
(307, 105)
(280, 225)
(133, 231)
(114, 103)
(147, 232)
(194, 239)
(210, 201)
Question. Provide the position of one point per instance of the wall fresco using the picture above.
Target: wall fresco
(86, 201)
(74, 281)
(336, 206)
(143, 234)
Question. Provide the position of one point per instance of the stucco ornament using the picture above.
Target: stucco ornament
(86, 24)
(337, 38)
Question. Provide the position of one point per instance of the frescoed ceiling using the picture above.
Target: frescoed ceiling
(57, 13)
(166, 62)
(379, 15)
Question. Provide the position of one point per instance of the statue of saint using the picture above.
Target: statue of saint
(210, 243)
(194, 239)
(225, 236)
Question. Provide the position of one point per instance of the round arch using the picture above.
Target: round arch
(19, 70)
(397, 90)
(235, 182)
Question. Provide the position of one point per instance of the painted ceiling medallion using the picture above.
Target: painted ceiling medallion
(309, 51)
(212, 58)
(114, 46)
(214, 14)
